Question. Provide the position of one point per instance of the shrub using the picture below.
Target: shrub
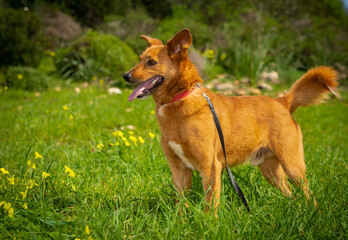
(95, 54)
(26, 78)
(185, 18)
(91, 12)
(20, 39)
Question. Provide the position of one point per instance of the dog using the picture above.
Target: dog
(259, 128)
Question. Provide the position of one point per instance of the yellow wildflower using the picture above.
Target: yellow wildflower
(87, 230)
(141, 140)
(8, 208)
(101, 81)
(52, 53)
(25, 206)
(37, 155)
(209, 53)
(71, 117)
(4, 171)
(117, 143)
(130, 132)
(100, 146)
(127, 144)
(45, 175)
(111, 144)
(118, 133)
(24, 194)
(124, 139)
(31, 164)
(32, 183)
(5, 88)
(70, 171)
(11, 180)
(94, 78)
(133, 139)
(19, 76)
(152, 112)
(65, 107)
(152, 135)
(10, 212)
(223, 56)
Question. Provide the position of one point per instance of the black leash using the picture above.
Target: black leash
(221, 136)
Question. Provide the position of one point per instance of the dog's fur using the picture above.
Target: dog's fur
(256, 127)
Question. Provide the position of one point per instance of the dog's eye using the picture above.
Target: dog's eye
(151, 62)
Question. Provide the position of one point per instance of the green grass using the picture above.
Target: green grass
(125, 192)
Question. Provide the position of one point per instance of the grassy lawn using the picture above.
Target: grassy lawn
(88, 181)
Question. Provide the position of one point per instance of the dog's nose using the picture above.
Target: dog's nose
(127, 77)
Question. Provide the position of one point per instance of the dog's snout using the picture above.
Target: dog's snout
(127, 77)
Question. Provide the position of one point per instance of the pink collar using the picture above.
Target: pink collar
(180, 96)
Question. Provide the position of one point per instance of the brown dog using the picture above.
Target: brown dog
(259, 127)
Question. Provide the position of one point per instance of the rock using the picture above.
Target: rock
(245, 81)
(114, 90)
(264, 86)
(210, 85)
(228, 92)
(197, 59)
(240, 92)
(255, 91)
(77, 90)
(59, 27)
(236, 83)
(272, 77)
(222, 76)
(224, 86)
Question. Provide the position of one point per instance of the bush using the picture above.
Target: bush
(95, 54)
(26, 78)
(185, 18)
(90, 12)
(20, 39)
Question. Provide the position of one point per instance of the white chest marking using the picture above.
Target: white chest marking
(160, 111)
(180, 152)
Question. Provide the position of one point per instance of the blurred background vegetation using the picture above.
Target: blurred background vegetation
(80, 40)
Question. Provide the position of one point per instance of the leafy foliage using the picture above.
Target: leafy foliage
(95, 54)
(21, 42)
(27, 78)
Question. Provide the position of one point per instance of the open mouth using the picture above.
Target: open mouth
(145, 88)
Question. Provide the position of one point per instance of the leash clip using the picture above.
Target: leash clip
(206, 98)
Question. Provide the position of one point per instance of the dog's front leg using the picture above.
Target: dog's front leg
(211, 178)
(181, 174)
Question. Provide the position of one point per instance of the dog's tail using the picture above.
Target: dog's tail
(311, 87)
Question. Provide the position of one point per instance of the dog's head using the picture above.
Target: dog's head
(163, 70)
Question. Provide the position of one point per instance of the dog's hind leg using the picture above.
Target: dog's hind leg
(291, 157)
(273, 171)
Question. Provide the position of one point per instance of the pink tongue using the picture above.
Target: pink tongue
(140, 89)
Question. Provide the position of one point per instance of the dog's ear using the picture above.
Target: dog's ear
(151, 41)
(180, 42)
